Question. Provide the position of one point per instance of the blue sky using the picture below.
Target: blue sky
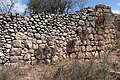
(115, 4)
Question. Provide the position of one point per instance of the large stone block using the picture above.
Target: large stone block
(14, 59)
(20, 36)
(16, 51)
(17, 43)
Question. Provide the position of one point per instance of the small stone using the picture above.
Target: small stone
(7, 36)
(27, 57)
(37, 35)
(30, 34)
(83, 48)
(89, 29)
(11, 30)
(100, 37)
(48, 61)
(55, 58)
(39, 41)
(59, 50)
(89, 48)
(81, 55)
(85, 42)
(35, 46)
(42, 37)
(101, 43)
(102, 53)
(1, 54)
(7, 50)
(38, 29)
(90, 18)
(73, 55)
(81, 22)
(31, 51)
(48, 56)
(8, 46)
(44, 41)
(25, 50)
(90, 9)
(99, 9)
(32, 55)
(28, 44)
(50, 43)
(34, 31)
(88, 42)
(64, 34)
(91, 37)
(83, 17)
(35, 16)
(32, 58)
(76, 48)
(64, 56)
(34, 41)
(42, 46)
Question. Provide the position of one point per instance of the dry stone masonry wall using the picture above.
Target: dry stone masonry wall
(48, 38)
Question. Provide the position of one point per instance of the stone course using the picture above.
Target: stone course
(48, 37)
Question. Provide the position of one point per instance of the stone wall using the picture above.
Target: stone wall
(48, 37)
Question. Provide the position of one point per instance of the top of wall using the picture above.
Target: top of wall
(90, 9)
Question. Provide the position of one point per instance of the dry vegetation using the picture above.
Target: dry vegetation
(11, 72)
(71, 69)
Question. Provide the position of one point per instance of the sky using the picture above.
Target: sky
(115, 4)
(21, 5)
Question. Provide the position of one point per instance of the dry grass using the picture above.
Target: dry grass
(11, 72)
(71, 69)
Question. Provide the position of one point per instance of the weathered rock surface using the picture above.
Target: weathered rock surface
(17, 43)
(47, 39)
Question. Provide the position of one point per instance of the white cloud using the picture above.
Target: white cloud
(118, 4)
(20, 7)
(116, 11)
